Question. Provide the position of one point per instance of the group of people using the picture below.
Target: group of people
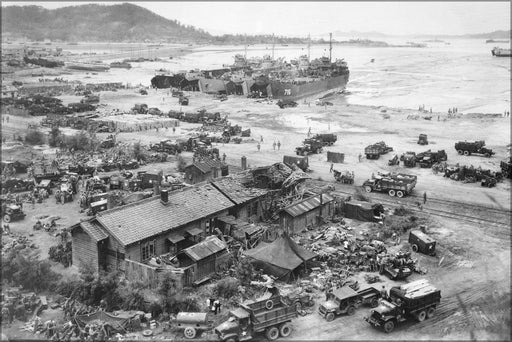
(506, 114)
(274, 144)
(453, 110)
(213, 305)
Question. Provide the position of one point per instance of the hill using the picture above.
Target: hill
(115, 23)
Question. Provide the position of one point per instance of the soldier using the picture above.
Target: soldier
(274, 145)
(383, 292)
(332, 166)
(258, 146)
(360, 156)
(278, 145)
(424, 197)
(224, 157)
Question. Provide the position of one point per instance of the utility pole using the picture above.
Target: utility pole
(273, 45)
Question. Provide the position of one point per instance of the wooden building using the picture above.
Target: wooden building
(204, 170)
(158, 225)
(307, 212)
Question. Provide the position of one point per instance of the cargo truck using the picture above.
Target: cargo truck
(345, 300)
(477, 147)
(398, 184)
(374, 151)
(327, 139)
(271, 316)
(417, 299)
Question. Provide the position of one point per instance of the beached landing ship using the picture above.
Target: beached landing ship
(499, 52)
(88, 66)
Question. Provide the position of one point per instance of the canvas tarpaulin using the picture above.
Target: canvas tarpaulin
(120, 323)
(362, 211)
(280, 257)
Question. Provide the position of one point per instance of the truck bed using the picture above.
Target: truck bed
(268, 318)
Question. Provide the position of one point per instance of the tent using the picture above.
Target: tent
(122, 322)
(363, 211)
(279, 258)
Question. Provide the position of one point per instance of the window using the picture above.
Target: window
(148, 250)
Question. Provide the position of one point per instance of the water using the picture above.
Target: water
(463, 74)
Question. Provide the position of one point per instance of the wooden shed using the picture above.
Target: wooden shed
(307, 212)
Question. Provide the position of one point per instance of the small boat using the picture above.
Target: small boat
(499, 52)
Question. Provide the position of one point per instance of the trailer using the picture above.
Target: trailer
(270, 315)
(345, 300)
(420, 242)
(344, 177)
(398, 184)
(477, 147)
(409, 159)
(327, 139)
(192, 323)
(374, 151)
(415, 300)
(428, 158)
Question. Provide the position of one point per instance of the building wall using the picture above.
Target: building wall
(115, 255)
(85, 249)
(299, 223)
(193, 175)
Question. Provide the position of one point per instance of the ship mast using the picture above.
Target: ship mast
(309, 47)
(330, 47)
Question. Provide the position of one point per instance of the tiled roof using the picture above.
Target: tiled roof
(236, 191)
(206, 165)
(149, 217)
(205, 248)
(307, 204)
(93, 229)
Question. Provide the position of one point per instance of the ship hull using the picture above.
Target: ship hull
(87, 68)
(289, 91)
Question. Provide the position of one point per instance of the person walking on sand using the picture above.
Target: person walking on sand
(360, 156)
(258, 146)
(224, 157)
(278, 145)
(261, 138)
(424, 197)
(274, 145)
(332, 166)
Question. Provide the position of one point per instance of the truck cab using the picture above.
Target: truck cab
(340, 301)
(236, 327)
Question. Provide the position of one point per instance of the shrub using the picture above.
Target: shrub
(401, 211)
(244, 271)
(226, 287)
(61, 253)
(138, 153)
(132, 296)
(34, 137)
(29, 271)
(55, 136)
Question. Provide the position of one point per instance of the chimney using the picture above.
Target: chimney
(164, 196)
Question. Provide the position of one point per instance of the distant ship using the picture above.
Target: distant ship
(123, 65)
(88, 66)
(499, 52)
(496, 41)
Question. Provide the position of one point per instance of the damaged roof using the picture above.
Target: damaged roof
(308, 204)
(234, 189)
(205, 248)
(146, 218)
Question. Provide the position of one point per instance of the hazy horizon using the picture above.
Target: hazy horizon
(319, 18)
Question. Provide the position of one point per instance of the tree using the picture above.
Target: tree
(54, 138)
(138, 153)
(34, 137)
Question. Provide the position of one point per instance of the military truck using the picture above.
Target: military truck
(422, 139)
(477, 147)
(183, 100)
(345, 300)
(11, 212)
(409, 159)
(301, 163)
(327, 139)
(428, 158)
(344, 177)
(398, 184)
(506, 167)
(271, 315)
(309, 146)
(420, 242)
(374, 151)
(417, 299)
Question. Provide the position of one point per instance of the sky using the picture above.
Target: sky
(320, 18)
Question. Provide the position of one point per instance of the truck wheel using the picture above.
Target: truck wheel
(421, 316)
(285, 330)
(351, 310)
(460, 152)
(329, 317)
(272, 333)
(189, 332)
(7, 218)
(431, 311)
(368, 188)
(269, 304)
(391, 193)
(466, 153)
(374, 303)
(415, 248)
(399, 194)
(388, 327)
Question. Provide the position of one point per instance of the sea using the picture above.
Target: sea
(459, 73)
